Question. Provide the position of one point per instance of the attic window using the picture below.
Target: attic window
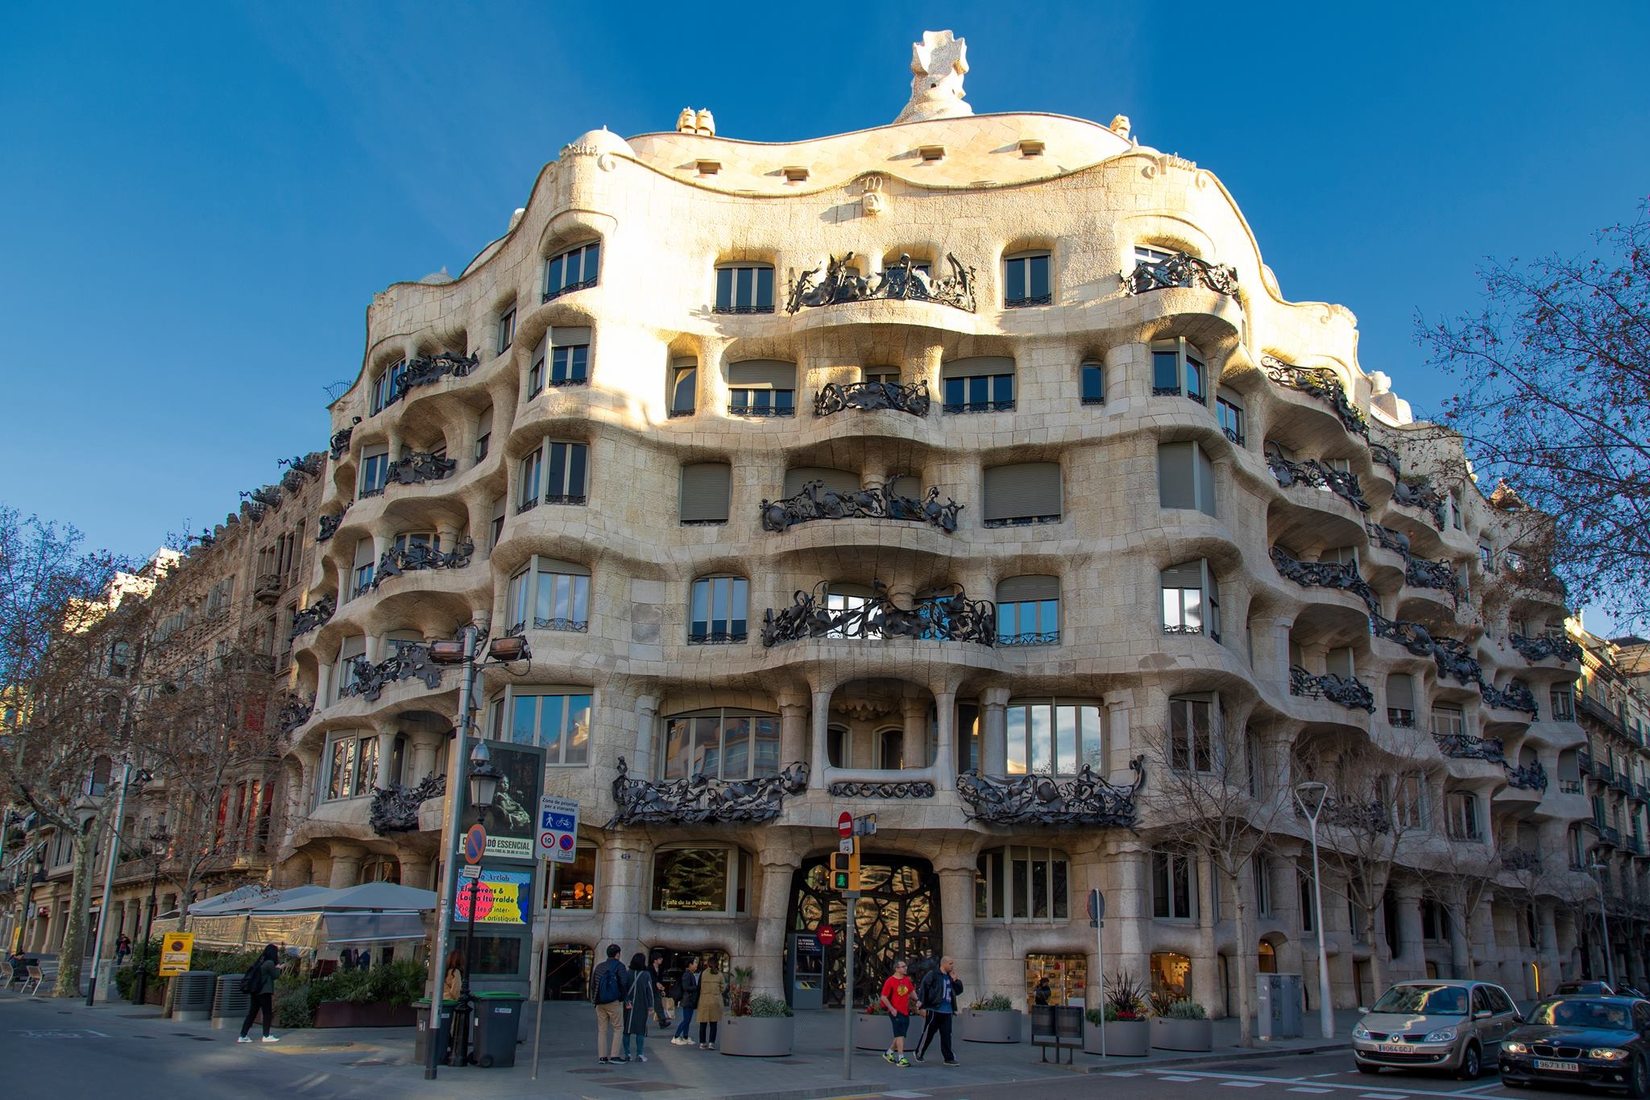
(708, 167)
(931, 152)
(1031, 147)
(795, 173)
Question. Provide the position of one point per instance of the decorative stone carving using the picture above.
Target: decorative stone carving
(699, 799)
(1180, 270)
(938, 64)
(871, 199)
(946, 615)
(907, 788)
(1087, 800)
(870, 396)
(1120, 125)
(395, 808)
(902, 282)
(872, 502)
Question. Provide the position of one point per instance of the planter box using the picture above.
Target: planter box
(991, 1027)
(875, 1032)
(1170, 1034)
(1124, 1038)
(757, 1036)
(370, 1014)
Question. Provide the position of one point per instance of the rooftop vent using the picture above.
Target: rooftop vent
(795, 173)
(1031, 147)
(708, 167)
(931, 152)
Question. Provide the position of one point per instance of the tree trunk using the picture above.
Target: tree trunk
(1246, 952)
(1377, 971)
(80, 899)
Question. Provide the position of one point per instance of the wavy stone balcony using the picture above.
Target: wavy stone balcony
(313, 617)
(1324, 574)
(1321, 383)
(1088, 800)
(835, 397)
(1318, 475)
(409, 661)
(699, 800)
(1180, 270)
(417, 468)
(1348, 691)
(874, 501)
(1418, 493)
(411, 559)
(944, 615)
(840, 282)
(1545, 648)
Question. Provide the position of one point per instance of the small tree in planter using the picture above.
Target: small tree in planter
(739, 990)
(992, 1019)
(761, 1027)
(1184, 1026)
(1128, 1026)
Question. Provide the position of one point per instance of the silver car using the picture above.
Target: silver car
(1448, 1025)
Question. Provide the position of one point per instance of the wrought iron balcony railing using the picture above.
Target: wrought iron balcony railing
(1319, 475)
(700, 799)
(419, 467)
(1464, 746)
(567, 288)
(964, 407)
(872, 502)
(1029, 638)
(1545, 648)
(1180, 270)
(1385, 456)
(1324, 574)
(1515, 696)
(340, 439)
(1321, 383)
(1088, 799)
(316, 615)
(945, 615)
(294, 712)
(1521, 859)
(903, 281)
(409, 661)
(871, 396)
(1362, 817)
(419, 556)
(395, 808)
(1348, 691)
(1527, 777)
(426, 370)
(1451, 656)
(716, 637)
(327, 526)
(1417, 492)
(571, 626)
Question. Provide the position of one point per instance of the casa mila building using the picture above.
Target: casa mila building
(972, 471)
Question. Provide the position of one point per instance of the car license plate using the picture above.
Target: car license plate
(1392, 1048)
(1559, 1067)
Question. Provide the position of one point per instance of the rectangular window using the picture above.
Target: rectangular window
(1026, 280)
(761, 402)
(1263, 885)
(1191, 601)
(1185, 477)
(1309, 910)
(386, 387)
(1230, 416)
(1093, 382)
(569, 356)
(506, 329)
(535, 373)
(727, 745)
(558, 722)
(1178, 370)
(762, 387)
(1174, 887)
(1463, 816)
(717, 613)
(1028, 622)
(352, 766)
(375, 471)
(705, 488)
(1054, 738)
(744, 288)
(1563, 703)
(527, 484)
(1447, 722)
(565, 469)
(1191, 734)
(1022, 494)
(574, 269)
(562, 600)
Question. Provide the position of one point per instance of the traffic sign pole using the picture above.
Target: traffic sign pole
(852, 899)
(1097, 917)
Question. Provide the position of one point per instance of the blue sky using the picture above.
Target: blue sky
(200, 199)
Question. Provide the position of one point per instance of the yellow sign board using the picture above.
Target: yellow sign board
(175, 949)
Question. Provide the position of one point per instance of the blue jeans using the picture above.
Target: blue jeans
(684, 1021)
(641, 1043)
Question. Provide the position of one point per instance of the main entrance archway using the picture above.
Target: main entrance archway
(898, 917)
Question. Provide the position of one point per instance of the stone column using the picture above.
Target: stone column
(956, 875)
(425, 748)
(821, 734)
(945, 741)
(793, 729)
(1205, 958)
(346, 864)
(994, 731)
(1411, 957)
(386, 758)
(415, 870)
(914, 750)
(778, 862)
(1460, 945)
(624, 891)
(323, 684)
(646, 762)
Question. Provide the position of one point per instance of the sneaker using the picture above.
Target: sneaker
(604, 1061)
(888, 1056)
(903, 1064)
(704, 1046)
(919, 1057)
(270, 1039)
(953, 1062)
(641, 1057)
(710, 1046)
(622, 1058)
(243, 1039)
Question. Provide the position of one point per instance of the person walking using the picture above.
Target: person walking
(123, 950)
(641, 1002)
(687, 1002)
(1040, 994)
(661, 996)
(711, 992)
(609, 986)
(938, 994)
(260, 983)
(897, 995)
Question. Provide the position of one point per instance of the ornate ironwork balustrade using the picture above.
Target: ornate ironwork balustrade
(1521, 859)
(420, 467)
(1321, 383)
(317, 614)
(1088, 799)
(411, 559)
(426, 370)
(1319, 475)
(395, 808)
(1389, 539)
(1348, 691)
(894, 788)
(903, 281)
(409, 661)
(1325, 574)
(1515, 696)
(327, 526)
(340, 439)
(870, 396)
(1387, 457)
(1418, 493)
(1180, 270)
(1464, 746)
(1426, 573)
(872, 502)
(699, 799)
(1546, 648)
(294, 712)
(1357, 817)
(945, 615)
(1527, 777)
(1031, 638)
(1451, 656)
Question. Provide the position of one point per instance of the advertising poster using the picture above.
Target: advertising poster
(512, 820)
(501, 897)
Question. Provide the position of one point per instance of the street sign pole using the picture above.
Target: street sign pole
(544, 948)
(1097, 918)
(852, 898)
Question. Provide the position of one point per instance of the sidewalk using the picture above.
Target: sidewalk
(383, 1057)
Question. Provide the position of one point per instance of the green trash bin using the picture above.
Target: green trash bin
(444, 1030)
(497, 1022)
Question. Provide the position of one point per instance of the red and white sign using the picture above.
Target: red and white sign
(826, 935)
(845, 824)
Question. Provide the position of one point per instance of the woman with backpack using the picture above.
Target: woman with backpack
(711, 992)
(259, 983)
(638, 1006)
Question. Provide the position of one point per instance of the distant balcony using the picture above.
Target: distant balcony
(1528, 777)
(945, 615)
(873, 396)
(902, 281)
(1417, 492)
(1321, 383)
(1317, 475)
(875, 501)
(314, 616)
(1521, 859)
(1348, 691)
(1464, 746)
(409, 661)
(1546, 647)
(1180, 270)
(267, 588)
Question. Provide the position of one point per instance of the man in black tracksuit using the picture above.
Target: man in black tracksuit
(938, 994)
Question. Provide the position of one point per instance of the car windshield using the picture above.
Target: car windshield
(1579, 1013)
(1424, 1000)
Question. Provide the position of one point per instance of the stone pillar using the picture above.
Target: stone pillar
(821, 733)
(945, 741)
(793, 730)
(646, 762)
(425, 760)
(956, 875)
(1411, 956)
(415, 870)
(323, 685)
(624, 890)
(914, 750)
(994, 731)
(1205, 958)
(778, 864)
(346, 864)
(1460, 945)
(386, 758)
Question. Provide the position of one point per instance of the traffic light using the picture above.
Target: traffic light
(845, 871)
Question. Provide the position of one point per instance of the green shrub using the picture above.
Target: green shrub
(1186, 1010)
(994, 1003)
(765, 1005)
(400, 983)
(1125, 998)
(295, 1001)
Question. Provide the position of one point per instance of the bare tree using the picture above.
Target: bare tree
(1225, 799)
(1556, 400)
(1459, 876)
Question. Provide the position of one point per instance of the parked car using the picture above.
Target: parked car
(1444, 1025)
(1585, 988)
(1599, 1041)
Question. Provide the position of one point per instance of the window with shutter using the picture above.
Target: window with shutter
(1191, 601)
(1185, 477)
(837, 481)
(1178, 370)
(984, 383)
(705, 491)
(1025, 493)
(1400, 700)
(762, 387)
(684, 385)
(569, 356)
(1028, 611)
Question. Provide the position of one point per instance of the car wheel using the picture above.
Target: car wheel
(1640, 1085)
(1363, 1068)
(1472, 1063)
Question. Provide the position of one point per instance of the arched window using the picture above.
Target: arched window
(684, 386)
(572, 269)
(709, 880)
(890, 749)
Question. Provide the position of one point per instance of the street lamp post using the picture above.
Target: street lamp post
(158, 841)
(1598, 870)
(1311, 796)
(109, 881)
(483, 787)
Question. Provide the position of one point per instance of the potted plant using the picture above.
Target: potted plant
(992, 1019)
(1184, 1026)
(379, 997)
(763, 1029)
(1128, 1026)
(871, 1028)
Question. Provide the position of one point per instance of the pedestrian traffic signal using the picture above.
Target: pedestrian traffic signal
(845, 871)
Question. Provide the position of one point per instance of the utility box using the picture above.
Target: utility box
(1278, 1014)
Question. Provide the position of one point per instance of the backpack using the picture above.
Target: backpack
(249, 980)
(610, 983)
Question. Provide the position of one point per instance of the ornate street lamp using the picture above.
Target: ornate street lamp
(1311, 796)
(159, 841)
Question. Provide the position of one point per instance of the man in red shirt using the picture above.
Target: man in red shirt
(896, 1001)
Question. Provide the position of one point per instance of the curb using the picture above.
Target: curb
(1213, 1058)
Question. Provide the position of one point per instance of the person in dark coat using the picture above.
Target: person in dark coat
(938, 993)
(268, 968)
(687, 1002)
(657, 973)
(638, 1006)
